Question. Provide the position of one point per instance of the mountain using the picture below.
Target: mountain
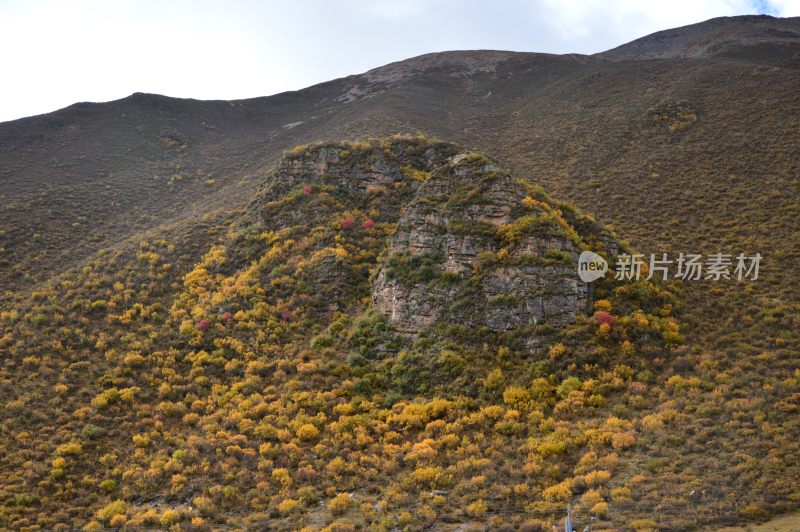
(758, 39)
(209, 315)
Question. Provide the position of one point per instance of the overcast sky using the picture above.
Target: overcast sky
(55, 53)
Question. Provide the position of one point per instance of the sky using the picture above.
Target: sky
(55, 53)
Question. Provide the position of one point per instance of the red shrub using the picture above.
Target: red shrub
(227, 316)
(203, 325)
(368, 224)
(604, 317)
(306, 189)
(347, 223)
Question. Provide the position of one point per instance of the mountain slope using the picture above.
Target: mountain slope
(758, 39)
(684, 141)
(266, 388)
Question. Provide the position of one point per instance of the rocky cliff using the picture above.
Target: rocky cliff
(467, 241)
(470, 248)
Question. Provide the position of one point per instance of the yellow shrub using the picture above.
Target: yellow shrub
(622, 494)
(558, 492)
(169, 517)
(643, 525)
(69, 449)
(622, 440)
(288, 506)
(591, 497)
(281, 474)
(603, 305)
(556, 350)
(427, 476)
(340, 504)
(477, 508)
(203, 504)
(628, 348)
(117, 507)
(595, 478)
(307, 432)
(494, 379)
(516, 396)
(601, 509)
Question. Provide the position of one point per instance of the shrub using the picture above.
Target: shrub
(343, 526)
(620, 495)
(622, 440)
(169, 517)
(494, 379)
(477, 508)
(420, 268)
(427, 476)
(628, 348)
(591, 497)
(604, 318)
(307, 432)
(91, 431)
(368, 224)
(643, 525)
(603, 305)
(556, 350)
(204, 505)
(112, 509)
(534, 525)
(569, 385)
(753, 511)
(108, 485)
(600, 509)
(133, 360)
(106, 397)
(281, 474)
(516, 396)
(69, 449)
(141, 440)
(595, 478)
(340, 504)
(288, 506)
(559, 492)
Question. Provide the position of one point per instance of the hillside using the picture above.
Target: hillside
(282, 385)
(124, 225)
(759, 39)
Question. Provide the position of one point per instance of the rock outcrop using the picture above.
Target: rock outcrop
(466, 241)
(473, 248)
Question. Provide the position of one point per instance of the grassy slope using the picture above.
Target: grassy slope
(591, 134)
(285, 404)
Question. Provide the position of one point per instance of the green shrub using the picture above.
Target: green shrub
(112, 509)
(414, 269)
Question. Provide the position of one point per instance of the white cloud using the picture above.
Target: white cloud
(56, 53)
(784, 8)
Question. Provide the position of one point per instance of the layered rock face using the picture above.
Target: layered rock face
(467, 243)
(472, 248)
(367, 176)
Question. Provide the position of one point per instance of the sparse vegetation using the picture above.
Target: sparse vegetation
(243, 370)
